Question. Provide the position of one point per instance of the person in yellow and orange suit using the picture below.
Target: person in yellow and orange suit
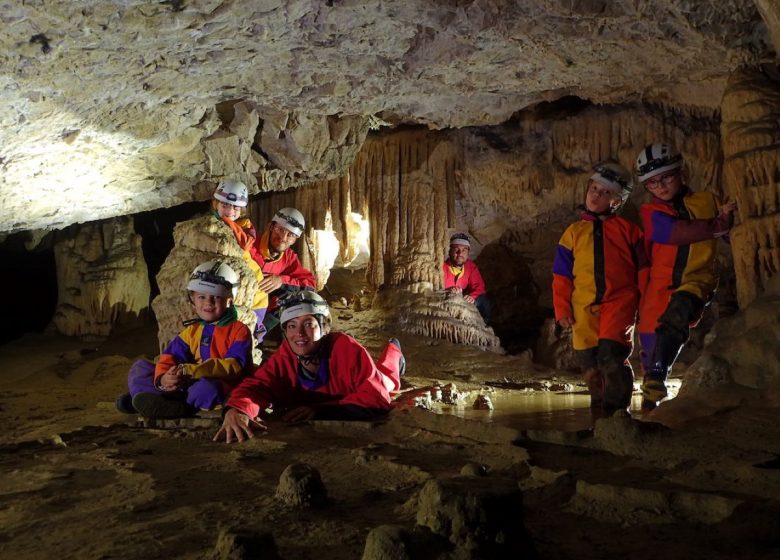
(595, 288)
(230, 199)
(681, 228)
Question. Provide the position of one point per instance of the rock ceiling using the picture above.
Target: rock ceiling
(108, 107)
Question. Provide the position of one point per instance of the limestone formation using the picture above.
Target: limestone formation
(481, 516)
(751, 134)
(197, 241)
(245, 544)
(101, 277)
(125, 100)
(301, 486)
(436, 315)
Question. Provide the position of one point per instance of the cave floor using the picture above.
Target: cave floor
(82, 480)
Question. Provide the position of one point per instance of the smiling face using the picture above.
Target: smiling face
(229, 211)
(303, 334)
(459, 254)
(280, 238)
(208, 307)
(599, 199)
(666, 185)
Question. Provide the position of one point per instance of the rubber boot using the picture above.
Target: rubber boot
(618, 388)
(595, 382)
(667, 348)
(151, 405)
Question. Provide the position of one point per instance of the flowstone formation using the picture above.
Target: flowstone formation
(197, 241)
(418, 310)
(102, 278)
(751, 144)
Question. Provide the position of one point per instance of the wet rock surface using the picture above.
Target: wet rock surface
(301, 486)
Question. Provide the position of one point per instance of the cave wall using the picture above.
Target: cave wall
(751, 143)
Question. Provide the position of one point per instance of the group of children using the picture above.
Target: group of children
(315, 373)
(607, 271)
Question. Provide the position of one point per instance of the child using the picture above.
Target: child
(595, 288)
(315, 373)
(204, 362)
(229, 199)
(680, 227)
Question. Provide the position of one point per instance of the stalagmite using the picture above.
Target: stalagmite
(101, 277)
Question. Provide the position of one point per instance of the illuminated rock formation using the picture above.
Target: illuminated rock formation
(751, 145)
(101, 277)
(197, 241)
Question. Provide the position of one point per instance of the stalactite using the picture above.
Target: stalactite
(751, 145)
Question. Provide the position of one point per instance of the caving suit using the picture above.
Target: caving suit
(680, 240)
(288, 267)
(469, 280)
(348, 383)
(216, 355)
(595, 281)
(244, 232)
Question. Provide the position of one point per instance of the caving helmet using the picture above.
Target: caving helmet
(232, 192)
(460, 239)
(214, 278)
(305, 302)
(616, 178)
(655, 159)
(290, 219)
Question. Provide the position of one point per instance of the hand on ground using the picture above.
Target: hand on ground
(455, 290)
(239, 427)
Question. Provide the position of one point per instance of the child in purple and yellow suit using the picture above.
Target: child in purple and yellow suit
(595, 288)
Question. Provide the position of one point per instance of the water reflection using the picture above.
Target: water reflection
(545, 410)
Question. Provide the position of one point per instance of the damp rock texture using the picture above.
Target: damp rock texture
(751, 146)
(197, 241)
(244, 544)
(122, 100)
(102, 278)
(482, 517)
(300, 485)
(436, 315)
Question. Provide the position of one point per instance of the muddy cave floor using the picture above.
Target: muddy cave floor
(81, 480)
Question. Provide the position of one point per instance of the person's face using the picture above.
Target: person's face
(280, 239)
(599, 199)
(459, 254)
(666, 185)
(208, 307)
(229, 211)
(303, 334)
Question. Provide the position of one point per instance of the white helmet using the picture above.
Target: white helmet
(306, 302)
(614, 177)
(232, 192)
(214, 278)
(460, 239)
(654, 159)
(291, 220)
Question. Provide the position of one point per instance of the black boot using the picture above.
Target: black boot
(667, 348)
(151, 405)
(612, 359)
(124, 404)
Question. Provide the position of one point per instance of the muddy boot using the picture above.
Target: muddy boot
(653, 391)
(150, 405)
(618, 377)
(595, 382)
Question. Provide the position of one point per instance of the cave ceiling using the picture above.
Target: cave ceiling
(107, 106)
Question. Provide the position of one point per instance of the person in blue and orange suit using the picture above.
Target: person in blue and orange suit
(199, 367)
(461, 275)
(315, 374)
(681, 228)
(284, 275)
(595, 288)
(230, 199)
